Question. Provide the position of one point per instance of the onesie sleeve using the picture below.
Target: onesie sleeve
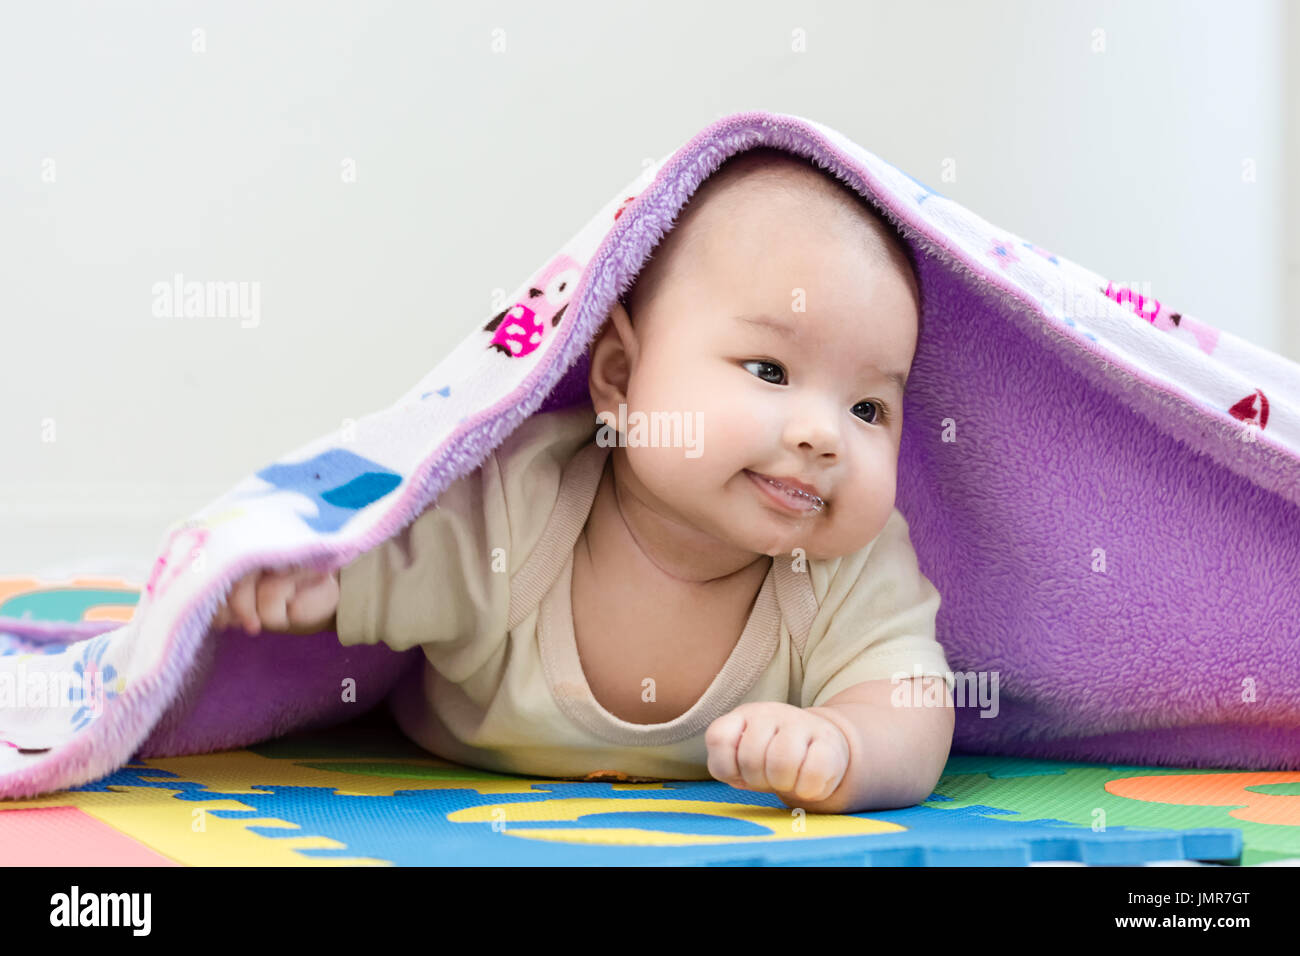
(435, 582)
(876, 621)
(443, 582)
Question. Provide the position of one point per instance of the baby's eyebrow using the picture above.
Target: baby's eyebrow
(899, 380)
(787, 331)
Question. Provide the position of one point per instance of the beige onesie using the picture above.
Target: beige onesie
(481, 581)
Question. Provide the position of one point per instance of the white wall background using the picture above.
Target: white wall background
(126, 156)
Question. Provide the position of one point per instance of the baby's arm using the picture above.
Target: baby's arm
(296, 601)
(899, 736)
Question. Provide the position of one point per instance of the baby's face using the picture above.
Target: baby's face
(808, 396)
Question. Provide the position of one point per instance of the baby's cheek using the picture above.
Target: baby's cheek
(660, 469)
(867, 506)
(686, 486)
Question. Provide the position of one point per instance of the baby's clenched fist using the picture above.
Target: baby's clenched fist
(778, 748)
(295, 601)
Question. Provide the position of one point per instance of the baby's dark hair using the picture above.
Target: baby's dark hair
(771, 167)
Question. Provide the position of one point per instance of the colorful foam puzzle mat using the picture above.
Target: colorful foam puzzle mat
(360, 794)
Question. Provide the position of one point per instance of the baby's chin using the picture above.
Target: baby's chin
(751, 526)
(794, 543)
(806, 553)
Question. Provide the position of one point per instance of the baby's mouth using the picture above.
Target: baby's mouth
(794, 498)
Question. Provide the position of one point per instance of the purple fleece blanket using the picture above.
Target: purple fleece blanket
(1104, 490)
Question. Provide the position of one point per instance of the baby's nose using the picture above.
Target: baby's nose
(817, 432)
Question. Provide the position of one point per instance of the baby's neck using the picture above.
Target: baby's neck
(624, 531)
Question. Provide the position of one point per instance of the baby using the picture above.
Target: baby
(592, 606)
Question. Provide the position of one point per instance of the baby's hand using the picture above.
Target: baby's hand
(297, 601)
(778, 748)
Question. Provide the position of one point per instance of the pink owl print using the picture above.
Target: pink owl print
(1205, 336)
(521, 328)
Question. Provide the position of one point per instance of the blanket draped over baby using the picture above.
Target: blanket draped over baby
(1105, 491)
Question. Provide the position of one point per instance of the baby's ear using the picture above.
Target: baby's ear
(617, 317)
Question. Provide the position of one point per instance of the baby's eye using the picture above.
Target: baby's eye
(879, 409)
(779, 370)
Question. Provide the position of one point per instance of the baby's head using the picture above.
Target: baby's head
(781, 313)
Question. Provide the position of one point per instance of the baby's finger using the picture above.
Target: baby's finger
(224, 617)
(311, 583)
(273, 593)
(822, 771)
(785, 755)
(721, 739)
(306, 613)
(242, 603)
(751, 755)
